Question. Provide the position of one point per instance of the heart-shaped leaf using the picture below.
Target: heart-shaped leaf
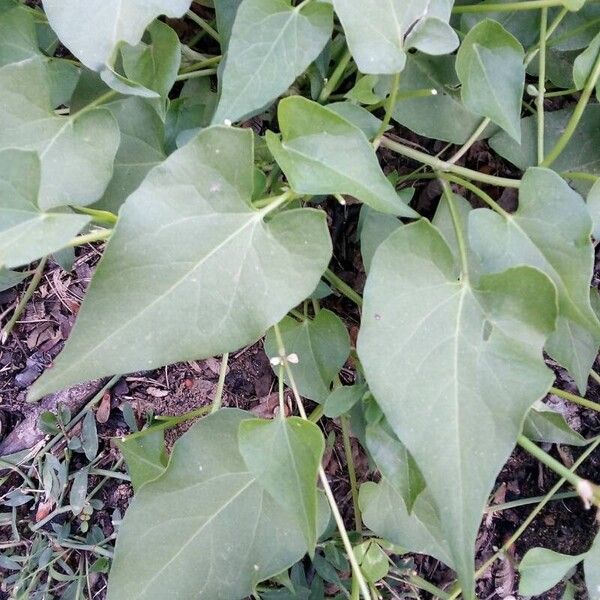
(145, 456)
(541, 569)
(189, 243)
(27, 232)
(207, 517)
(272, 43)
(454, 365)
(76, 152)
(591, 569)
(309, 155)
(543, 424)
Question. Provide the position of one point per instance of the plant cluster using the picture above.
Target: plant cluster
(118, 124)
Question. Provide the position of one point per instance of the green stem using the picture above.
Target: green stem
(477, 191)
(272, 202)
(558, 93)
(33, 284)
(203, 64)
(444, 166)
(578, 175)
(322, 476)
(460, 237)
(172, 420)
(567, 134)
(216, 405)
(531, 54)
(336, 77)
(342, 287)
(509, 6)
(345, 423)
(595, 376)
(575, 399)
(527, 501)
(577, 482)
(541, 86)
(472, 139)
(391, 104)
(203, 25)
(95, 236)
(532, 515)
(195, 74)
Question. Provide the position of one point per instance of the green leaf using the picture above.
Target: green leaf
(453, 121)
(271, 44)
(226, 11)
(542, 569)
(374, 228)
(591, 569)
(550, 231)
(373, 561)
(395, 463)
(78, 492)
(310, 156)
(145, 456)
(27, 232)
(342, 399)
(93, 30)
(201, 251)
(454, 366)
(89, 436)
(149, 69)
(322, 346)
(284, 455)
(18, 39)
(544, 424)
(582, 153)
(367, 122)
(9, 279)
(584, 63)
(208, 518)
(523, 24)
(593, 204)
(379, 42)
(76, 152)
(141, 148)
(362, 92)
(490, 67)
(384, 513)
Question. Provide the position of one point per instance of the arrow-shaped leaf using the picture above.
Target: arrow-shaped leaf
(192, 270)
(455, 365)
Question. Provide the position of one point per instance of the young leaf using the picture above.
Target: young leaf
(93, 29)
(453, 121)
(550, 231)
(284, 455)
(542, 569)
(373, 561)
(449, 361)
(546, 425)
(322, 346)
(379, 34)
(490, 67)
(201, 251)
(272, 43)
(591, 569)
(384, 513)
(395, 463)
(207, 504)
(145, 456)
(26, 232)
(309, 155)
(584, 63)
(149, 69)
(76, 152)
